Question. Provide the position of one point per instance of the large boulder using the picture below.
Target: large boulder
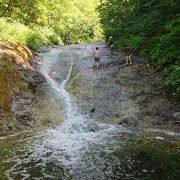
(176, 116)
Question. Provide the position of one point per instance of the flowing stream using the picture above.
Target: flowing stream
(81, 148)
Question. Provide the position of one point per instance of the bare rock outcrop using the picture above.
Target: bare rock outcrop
(20, 88)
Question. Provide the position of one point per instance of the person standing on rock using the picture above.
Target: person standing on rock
(110, 42)
(111, 47)
(128, 54)
(97, 54)
(68, 40)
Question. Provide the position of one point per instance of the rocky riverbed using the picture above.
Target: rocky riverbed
(134, 95)
(89, 141)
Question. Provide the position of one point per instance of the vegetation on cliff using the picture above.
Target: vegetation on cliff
(37, 22)
(19, 82)
(150, 27)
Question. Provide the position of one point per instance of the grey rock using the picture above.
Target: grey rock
(92, 110)
(92, 126)
(87, 126)
(159, 138)
(130, 121)
(176, 116)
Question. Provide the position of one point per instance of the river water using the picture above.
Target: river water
(82, 149)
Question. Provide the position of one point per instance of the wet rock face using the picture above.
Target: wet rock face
(21, 106)
(176, 117)
(130, 121)
(133, 95)
(88, 126)
(33, 78)
(20, 88)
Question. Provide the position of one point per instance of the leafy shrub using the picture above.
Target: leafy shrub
(33, 35)
(53, 39)
(173, 76)
(133, 41)
(13, 31)
(34, 41)
(166, 54)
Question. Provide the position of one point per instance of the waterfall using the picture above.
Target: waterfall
(74, 121)
(67, 144)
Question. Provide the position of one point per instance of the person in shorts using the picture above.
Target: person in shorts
(97, 58)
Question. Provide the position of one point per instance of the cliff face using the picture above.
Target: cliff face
(20, 88)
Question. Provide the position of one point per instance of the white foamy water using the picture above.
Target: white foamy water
(66, 144)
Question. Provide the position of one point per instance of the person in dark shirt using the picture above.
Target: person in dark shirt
(110, 41)
(68, 40)
(128, 54)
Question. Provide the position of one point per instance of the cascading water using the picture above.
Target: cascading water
(66, 144)
(74, 121)
(49, 61)
(79, 148)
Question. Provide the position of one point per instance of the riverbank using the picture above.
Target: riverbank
(23, 92)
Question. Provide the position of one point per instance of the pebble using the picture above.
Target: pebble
(144, 170)
(159, 138)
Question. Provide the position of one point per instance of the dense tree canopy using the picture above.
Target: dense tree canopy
(49, 21)
(27, 10)
(150, 27)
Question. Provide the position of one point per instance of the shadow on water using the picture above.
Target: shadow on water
(144, 158)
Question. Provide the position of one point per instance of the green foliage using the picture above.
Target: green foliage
(53, 39)
(150, 27)
(133, 41)
(36, 22)
(173, 76)
(33, 35)
(166, 53)
(34, 41)
(11, 31)
(26, 10)
(78, 18)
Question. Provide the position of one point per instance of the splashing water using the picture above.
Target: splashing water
(64, 145)
(80, 148)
